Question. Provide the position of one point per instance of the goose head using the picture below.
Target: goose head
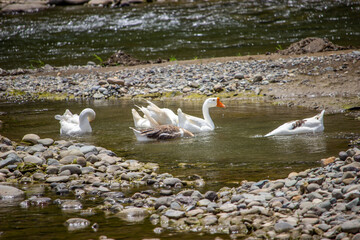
(88, 113)
(213, 102)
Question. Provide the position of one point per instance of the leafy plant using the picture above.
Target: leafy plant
(195, 58)
(172, 59)
(279, 47)
(36, 63)
(101, 61)
(239, 54)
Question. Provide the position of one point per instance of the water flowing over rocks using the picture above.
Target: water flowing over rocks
(317, 203)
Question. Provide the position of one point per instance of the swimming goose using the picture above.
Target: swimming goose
(162, 132)
(195, 124)
(308, 125)
(163, 116)
(143, 122)
(73, 124)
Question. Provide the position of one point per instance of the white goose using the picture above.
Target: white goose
(163, 132)
(195, 124)
(308, 125)
(162, 116)
(143, 122)
(73, 124)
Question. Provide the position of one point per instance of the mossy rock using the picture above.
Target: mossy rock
(28, 168)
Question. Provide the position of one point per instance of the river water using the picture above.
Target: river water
(235, 151)
(195, 29)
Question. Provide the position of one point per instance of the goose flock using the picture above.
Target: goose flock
(163, 124)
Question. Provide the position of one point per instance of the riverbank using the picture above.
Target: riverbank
(326, 80)
(316, 203)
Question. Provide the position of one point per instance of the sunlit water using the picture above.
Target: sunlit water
(235, 151)
(198, 29)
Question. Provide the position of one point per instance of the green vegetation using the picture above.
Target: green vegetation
(195, 58)
(172, 59)
(101, 61)
(279, 47)
(36, 64)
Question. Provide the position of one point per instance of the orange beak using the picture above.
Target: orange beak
(220, 104)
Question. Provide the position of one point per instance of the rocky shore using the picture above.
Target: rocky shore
(319, 203)
(326, 80)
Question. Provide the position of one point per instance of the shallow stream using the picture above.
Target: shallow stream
(235, 151)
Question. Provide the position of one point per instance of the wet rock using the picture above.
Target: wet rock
(133, 214)
(343, 155)
(77, 223)
(174, 214)
(57, 179)
(9, 192)
(31, 138)
(71, 205)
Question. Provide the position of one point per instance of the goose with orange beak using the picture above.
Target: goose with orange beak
(196, 124)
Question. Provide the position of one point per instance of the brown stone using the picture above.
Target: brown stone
(327, 161)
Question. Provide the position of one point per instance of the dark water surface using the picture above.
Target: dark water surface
(199, 29)
(235, 151)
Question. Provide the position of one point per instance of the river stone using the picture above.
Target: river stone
(73, 168)
(204, 202)
(81, 161)
(7, 192)
(283, 227)
(76, 223)
(133, 214)
(171, 181)
(57, 179)
(75, 152)
(88, 148)
(194, 212)
(174, 214)
(312, 187)
(116, 81)
(311, 221)
(93, 159)
(11, 159)
(228, 207)
(33, 159)
(36, 148)
(31, 138)
(71, 204)
(38, 176)
(86, 170)
(211, 195)
(352, 226)
(209, 220)
(46, 141)
(355, 166)
(163, 201)
(68, 159)
(343, 155)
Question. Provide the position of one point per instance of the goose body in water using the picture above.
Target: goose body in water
(161, 132)
(308, 125)
(196, 124)
(73, 124)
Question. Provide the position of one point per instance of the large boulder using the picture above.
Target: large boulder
(7, 192)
